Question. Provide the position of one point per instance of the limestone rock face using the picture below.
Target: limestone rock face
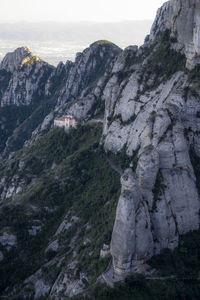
(57, 77)
(82, 74)
(79, 86)
(22, 78)
(14, 60)
(71, 88)
(126, 237)
(150, 105)
(182, 18)
(156, 123)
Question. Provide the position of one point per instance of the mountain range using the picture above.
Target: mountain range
(56, 42)
(115, 201)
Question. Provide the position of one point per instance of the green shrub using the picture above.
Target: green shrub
(81, 184)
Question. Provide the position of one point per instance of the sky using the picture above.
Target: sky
(77, 10)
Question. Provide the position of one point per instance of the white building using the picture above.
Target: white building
(65, 121)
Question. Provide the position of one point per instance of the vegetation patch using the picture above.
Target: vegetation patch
(81, 184)
(158, 188)
(183, 263)
(102, 42)
(122, 160)
(162, 63)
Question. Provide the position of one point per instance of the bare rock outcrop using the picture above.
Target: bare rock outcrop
(157, 124)
(22, 78)
(182, 18)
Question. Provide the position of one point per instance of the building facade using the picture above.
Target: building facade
(67, 122)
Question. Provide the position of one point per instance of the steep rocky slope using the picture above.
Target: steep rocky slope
(26, 76)
(40, 91)
(182, 18)
(23, 78)
(58, 201)
(152, 112)
(64, 189)
(84, 72)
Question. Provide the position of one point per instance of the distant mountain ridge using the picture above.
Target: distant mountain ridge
(55, 42)
(40, 90)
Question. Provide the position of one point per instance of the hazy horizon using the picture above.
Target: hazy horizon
(57, 30)
(58, 41)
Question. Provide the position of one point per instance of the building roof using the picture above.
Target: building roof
(63, 118)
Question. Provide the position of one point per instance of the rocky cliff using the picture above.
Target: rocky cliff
(63, 189)
(26, 76)
(47, 91)
(85, 71)
(152, 112)
(182, 18)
